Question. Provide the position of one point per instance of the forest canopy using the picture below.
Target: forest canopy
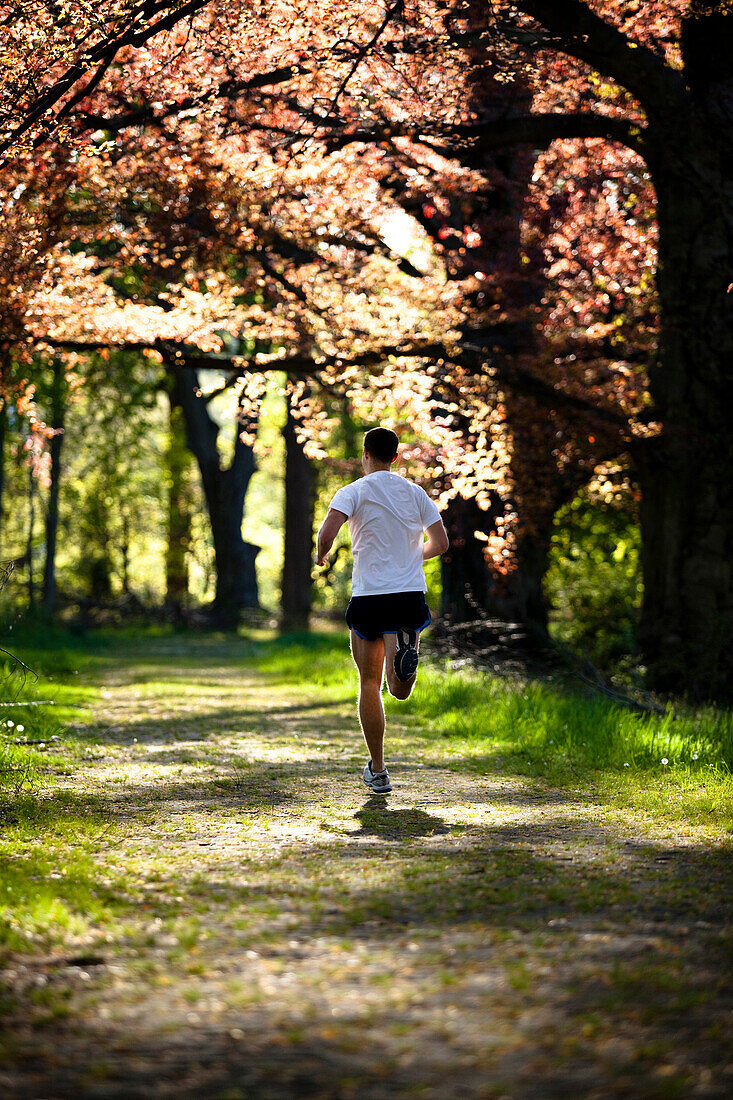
(502, 229)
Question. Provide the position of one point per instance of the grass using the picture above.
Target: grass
(677, 765)
(49, 885)
(315, 660)
(52, 889)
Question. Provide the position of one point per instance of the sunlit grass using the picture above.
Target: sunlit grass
(542, 721)
(49, 887)
(312, 660)
(676, 766)
(49, 883)
(215, 871)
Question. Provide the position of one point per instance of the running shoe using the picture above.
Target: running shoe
(379, 782)
(405, 659)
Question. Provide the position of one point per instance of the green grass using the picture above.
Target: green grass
(675, 766)
(315, 660)
(49, 886)
(204, 866)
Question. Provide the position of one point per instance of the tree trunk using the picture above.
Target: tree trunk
(125, 553)
(686, 631)
(687, 503)
(512, 603)
(474, 588)
(5, 372)
(178, 460)
(3, 430)
(31, 536)
(58, 409)
(224, 491)
(298, 546)
(467, 581)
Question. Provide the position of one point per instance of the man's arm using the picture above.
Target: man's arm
(436, 542)
(330, 527)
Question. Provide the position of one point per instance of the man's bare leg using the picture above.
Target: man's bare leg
(369, 660)
(400, 689)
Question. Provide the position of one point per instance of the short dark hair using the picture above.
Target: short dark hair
(381, 443)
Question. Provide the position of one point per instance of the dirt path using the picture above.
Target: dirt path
(280, 934)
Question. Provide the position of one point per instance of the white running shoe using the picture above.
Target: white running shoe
(379, 782)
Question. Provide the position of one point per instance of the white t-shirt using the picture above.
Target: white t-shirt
(387, 518)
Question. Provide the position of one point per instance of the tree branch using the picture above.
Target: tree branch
(228, 89)
(581, 33)
(551, 396)
(136, 30)
(309, 365)
(541, 129)
(394, 9)
(537, 130)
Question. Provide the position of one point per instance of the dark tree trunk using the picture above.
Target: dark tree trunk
(5, 372)
(58, 410)
(178, 459)
(686, 629)
(224, 491)
(511, 602)
(350, 433)
(30, 537)
(3, 430)
(474, 586)
(125, 554)
(687, 490)
(467, 581)
(299, 512)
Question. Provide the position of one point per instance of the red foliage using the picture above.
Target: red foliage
(310, 178)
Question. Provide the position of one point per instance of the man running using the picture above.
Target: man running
(388, 517)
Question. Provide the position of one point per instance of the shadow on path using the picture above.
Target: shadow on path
(203, 724)
(379, 819)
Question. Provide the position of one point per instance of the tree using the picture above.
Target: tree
(177, 460)
(29, 232)
(224, 489)
(54, 57)
(669, 66)
(193, 271)
(300, 489)
(685, 135)
(58, 400)
(396, 84)
(112, 499)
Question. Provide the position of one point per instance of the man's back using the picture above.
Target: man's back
(387, 517)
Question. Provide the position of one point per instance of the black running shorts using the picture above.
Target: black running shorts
(373, 616)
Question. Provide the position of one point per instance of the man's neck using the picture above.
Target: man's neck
(377, 468)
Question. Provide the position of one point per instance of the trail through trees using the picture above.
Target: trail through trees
(343, 190)
(278, 933)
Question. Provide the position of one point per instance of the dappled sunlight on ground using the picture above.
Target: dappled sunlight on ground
(287, 935)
